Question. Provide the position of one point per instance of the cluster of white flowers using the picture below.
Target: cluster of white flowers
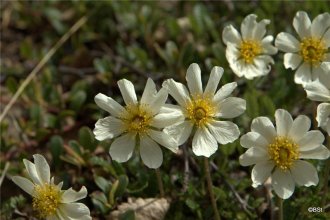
(150, 122)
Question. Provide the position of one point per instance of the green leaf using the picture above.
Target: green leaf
(11, 84)
(86, 138)
(77, 100)
(128, 215)
(56, 148)
(123, 182)
(102, 183)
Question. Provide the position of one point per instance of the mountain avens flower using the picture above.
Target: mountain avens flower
(307, 53)
(202, 111)
(279, 152)
(319, 90)
(137, 125)
(249, 53)
(49, 200)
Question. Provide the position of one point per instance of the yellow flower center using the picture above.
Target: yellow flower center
(47, 200)
(138, 118)
(283, 151)
(313, 50)
(200, 110)
(249, 49)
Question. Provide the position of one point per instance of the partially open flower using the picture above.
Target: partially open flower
(49, 200)
(277, 153)
(249, 54)
(138, 124)
(310, 51)
(202, 111)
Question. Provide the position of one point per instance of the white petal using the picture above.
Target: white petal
(167, 116)
(231, 107)
(149, 92)
(108, 128)
(283, 122)
(260, 172)
(311, 140)
(164, 139)
(326, 38)
(292, 60)
(214, 80)
(71, 195)
(75, 211)
(253, 155)
(253, 139)
(267, 46)
(24, 183)
(204, 144)
(159, 100)
(224, 131)
(127, 91)
(122, 148)
(108, 104)
(178, 91)
(231, 35)
(287, 43)
(320, 24)
(263, 65)
(224, 92)
(320, 153)
(194, 79)
(31, 169)
(283, 183)
(265, 127)
(260, 29)
(304, 173)
(302, 24)
(303, 74)
(180, 131)
(299, 128)
(317, 91)
(151, 154)
(42, 168)
(323, 114)
(248, 25)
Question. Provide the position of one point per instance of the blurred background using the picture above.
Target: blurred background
(56, 113)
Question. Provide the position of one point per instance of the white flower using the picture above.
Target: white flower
(307, 53)
(319, 90)
(49, 201)
(278, 152)
(248, 54)
(139, 123)
(202, 110)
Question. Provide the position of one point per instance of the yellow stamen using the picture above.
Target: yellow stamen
(283, 151)
(138, 118)
(249, 49)
(313, 50)
(200, 110)
(47, 200)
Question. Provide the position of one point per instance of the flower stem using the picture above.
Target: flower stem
(160, 183)
(210, 188)
(326, 176)
(280, 208)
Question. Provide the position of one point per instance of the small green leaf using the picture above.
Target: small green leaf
(86, 138)
(123, 182)
(102, 183)
(56, 148)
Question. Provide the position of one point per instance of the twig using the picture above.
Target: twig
(241, 201)
(186, 169)
(43, 61)
(160, 183)
(210, 188)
